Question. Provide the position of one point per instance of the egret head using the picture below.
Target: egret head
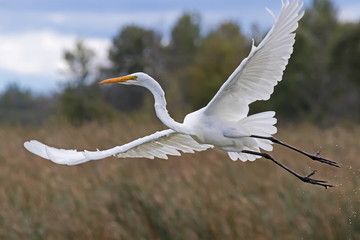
(138, 78)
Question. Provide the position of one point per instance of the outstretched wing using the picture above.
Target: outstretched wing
(159, 144)
(255, 78)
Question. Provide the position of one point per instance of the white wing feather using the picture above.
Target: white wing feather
(159, 144)
(255, 78)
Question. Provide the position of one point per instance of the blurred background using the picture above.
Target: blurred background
(52, 54)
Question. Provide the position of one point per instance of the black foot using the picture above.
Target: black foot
(307, 179)
(323, 160)
(314, 157)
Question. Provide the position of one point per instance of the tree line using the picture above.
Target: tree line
(321, 82)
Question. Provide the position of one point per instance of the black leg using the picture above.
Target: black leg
(314, 157)
(306, 178)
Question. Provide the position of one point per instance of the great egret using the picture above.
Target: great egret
(224, 123)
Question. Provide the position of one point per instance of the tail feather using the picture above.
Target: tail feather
(261, 124)
(242, 156)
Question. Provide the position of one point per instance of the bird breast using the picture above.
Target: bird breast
(209, 129)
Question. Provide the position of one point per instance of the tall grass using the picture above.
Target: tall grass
(199, 196)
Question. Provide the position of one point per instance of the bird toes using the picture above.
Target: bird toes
(310, 180)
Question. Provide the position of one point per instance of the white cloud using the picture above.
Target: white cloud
(113, 19)
(31, 53)
(40, 52)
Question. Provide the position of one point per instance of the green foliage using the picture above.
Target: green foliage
(185, 41)
(84, 104)
(345, 62)
(346, 52)
(134, 49)
(80, 102)
(179, 54)
(219, 54)
(18, 106)
(79, 63)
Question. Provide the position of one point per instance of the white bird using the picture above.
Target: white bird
(224, 123)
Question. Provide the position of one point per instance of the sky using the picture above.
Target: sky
(34, 33)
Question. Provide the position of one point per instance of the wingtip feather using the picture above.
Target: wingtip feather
(36, 148)
(271, 13)
(59, 156)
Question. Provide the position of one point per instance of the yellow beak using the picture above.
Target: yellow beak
(119, 79)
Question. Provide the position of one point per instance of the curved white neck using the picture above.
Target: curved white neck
(161, 111)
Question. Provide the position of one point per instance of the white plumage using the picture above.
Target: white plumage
(255, 78)
(159, 144)
(223, 123)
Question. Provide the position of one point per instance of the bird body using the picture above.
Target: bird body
(224, 122)
(228, 135)
(208, 128)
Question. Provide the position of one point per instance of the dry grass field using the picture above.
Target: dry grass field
(199, 196)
